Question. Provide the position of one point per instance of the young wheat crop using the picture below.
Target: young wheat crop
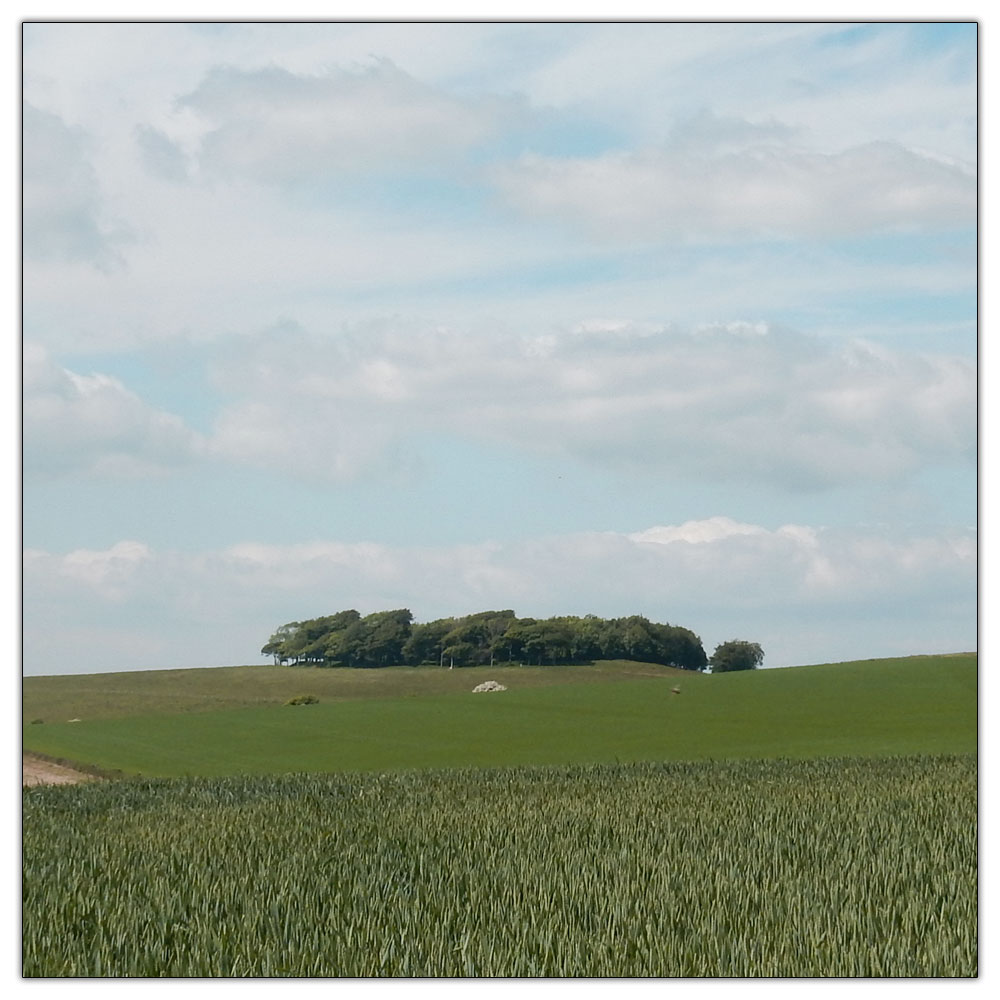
(849, 867)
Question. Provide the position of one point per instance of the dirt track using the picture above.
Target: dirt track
(35, 771)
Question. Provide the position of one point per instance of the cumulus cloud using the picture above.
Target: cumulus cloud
(735, 180)
(94, 424)
(730, 403)
(718, 576)
(711, 529)
(276, 125)
(64, 215)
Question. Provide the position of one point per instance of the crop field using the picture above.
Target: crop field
(379, 720)
(614, 820)
(827, 867)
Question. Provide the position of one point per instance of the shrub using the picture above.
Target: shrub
(303, 699)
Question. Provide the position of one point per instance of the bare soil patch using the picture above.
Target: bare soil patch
(36, 771)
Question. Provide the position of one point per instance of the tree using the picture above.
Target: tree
(387, 637)
(386, 633)
(460, 652)
(515, 637)
(737, 654)
(346, 645)
(678, 647)
(586, 638)
(466, 643)
(426, 642)
(277, 645)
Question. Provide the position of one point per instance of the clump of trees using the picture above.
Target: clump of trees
(736, 654)
(384, 638)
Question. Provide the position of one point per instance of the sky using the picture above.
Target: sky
(671, 319)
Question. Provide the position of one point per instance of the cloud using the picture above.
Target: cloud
(85, 584)
(711, 529)
(737, 403)
(161, 156)
(64, 216)
(713, 185)
(783, 586)
(705, 132)
(93, 424)
(109, 572)
(275, 125)
(838, 85)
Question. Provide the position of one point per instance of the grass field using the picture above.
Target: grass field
(154, 692)
(234, 720)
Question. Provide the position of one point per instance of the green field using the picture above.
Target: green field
(834, 867)
(234, 720)
(614, 820)
(202, 689)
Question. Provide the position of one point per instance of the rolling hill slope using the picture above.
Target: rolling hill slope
(613, 712)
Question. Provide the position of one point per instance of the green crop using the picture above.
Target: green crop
(832, 867)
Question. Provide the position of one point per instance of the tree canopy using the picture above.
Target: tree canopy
(386, 638)
(736, 654)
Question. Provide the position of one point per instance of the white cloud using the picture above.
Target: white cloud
(106, 574)
(742, 403)
(782, 587)
(696, 532)
(94, 424)
(226, 252)
(849, 86)
(275, 125)
(109, 571)
(739, 403)
(64, 214)
(756, 192)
